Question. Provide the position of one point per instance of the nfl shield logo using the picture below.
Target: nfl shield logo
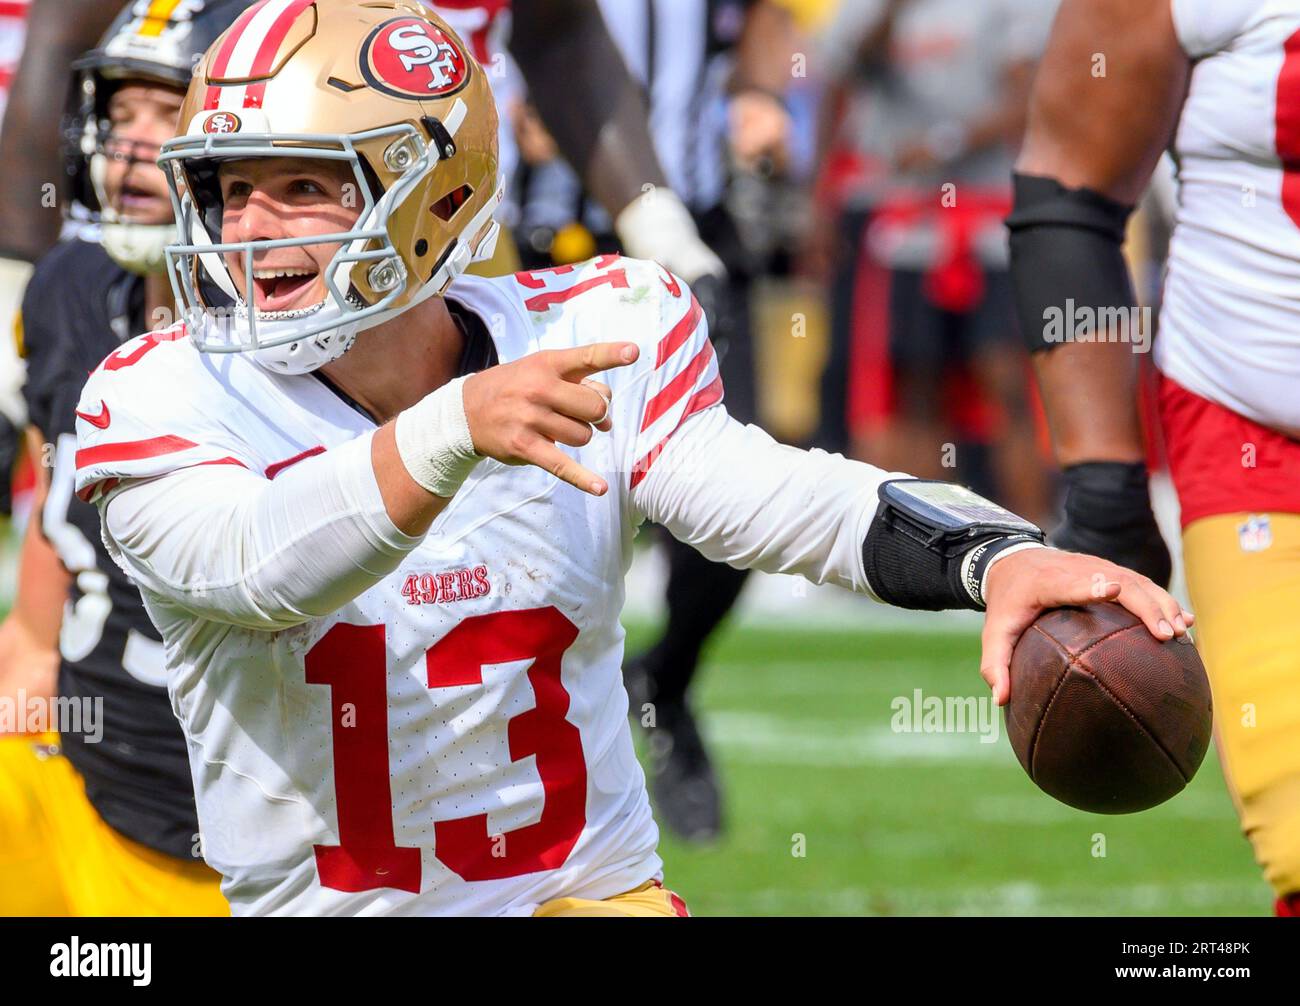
(1256, 534)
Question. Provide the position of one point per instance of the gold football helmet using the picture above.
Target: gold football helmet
(385, 87)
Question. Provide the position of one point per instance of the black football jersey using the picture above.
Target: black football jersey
(79, 306)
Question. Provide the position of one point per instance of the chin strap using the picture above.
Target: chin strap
(138, 248)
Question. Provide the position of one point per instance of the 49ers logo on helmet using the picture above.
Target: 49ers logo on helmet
(408, 57)
(221, 122)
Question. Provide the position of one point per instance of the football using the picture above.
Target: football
(1103, 716)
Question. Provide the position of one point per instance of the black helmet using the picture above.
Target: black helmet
(160, 41)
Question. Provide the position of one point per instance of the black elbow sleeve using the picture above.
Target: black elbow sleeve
(1067, 264)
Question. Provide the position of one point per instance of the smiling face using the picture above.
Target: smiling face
(285, 197)
(141, 118)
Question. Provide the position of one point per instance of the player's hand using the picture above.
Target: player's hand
(1026, 583)
(759, 131)
(518, 412)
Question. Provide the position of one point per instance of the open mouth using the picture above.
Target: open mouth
(136, 199)
(282, 289)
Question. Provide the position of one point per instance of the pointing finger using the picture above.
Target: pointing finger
(583, 361)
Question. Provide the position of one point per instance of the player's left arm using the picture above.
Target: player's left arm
(1104, 106)
(740, 497)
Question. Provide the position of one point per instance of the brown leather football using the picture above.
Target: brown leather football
(1103, 716)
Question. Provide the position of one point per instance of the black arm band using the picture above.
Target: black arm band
(1067, 261)
(930, 543)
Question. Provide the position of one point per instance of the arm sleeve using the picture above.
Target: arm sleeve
(739, 497)
(232, 547)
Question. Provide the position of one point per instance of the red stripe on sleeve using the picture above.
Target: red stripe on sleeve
(273, 470)
(677, 388)
(673, 341)
(132, 450)
(701, 400)
(221, 461)
(88, 494)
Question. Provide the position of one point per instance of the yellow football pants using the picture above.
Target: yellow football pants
(647, 901)
(58, 857)
(1244, 590)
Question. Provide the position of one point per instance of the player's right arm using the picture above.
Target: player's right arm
(1105, 105)
(188, 514)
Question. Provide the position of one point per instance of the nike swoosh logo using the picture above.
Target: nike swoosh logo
(102, 420)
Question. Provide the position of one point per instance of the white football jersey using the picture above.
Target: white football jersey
(455, 739)
(1230, 321)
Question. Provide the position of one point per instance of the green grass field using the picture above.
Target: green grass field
(920, 824)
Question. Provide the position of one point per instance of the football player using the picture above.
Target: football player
(55, 32)
(102, 821)
(1219, 84)
(381, 511)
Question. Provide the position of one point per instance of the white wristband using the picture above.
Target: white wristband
(433, 440)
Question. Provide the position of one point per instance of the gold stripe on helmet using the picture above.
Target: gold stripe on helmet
(157, 16)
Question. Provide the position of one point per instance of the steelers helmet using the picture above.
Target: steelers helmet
(156, 41)
(388, 89)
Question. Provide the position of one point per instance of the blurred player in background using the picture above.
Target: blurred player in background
(53, 33)
(1120, 82)
(562, 52)
(715, 73)
(102, 823)
(933, 96)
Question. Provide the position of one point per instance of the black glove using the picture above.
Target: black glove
(1108, 513)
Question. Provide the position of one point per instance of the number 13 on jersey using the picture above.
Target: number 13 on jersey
(351, 660)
